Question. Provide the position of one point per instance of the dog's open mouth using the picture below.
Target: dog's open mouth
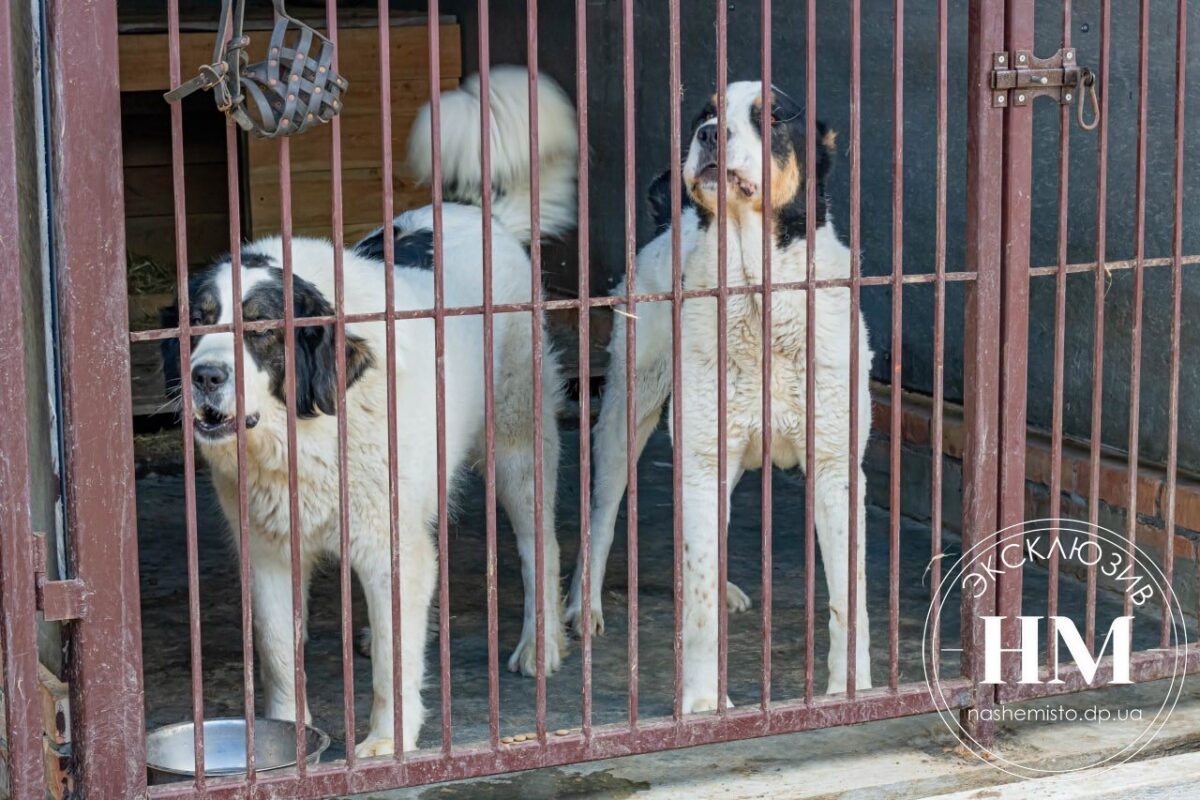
(211, 425)
(708, 176)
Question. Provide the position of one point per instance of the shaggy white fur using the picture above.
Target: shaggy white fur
(413, 395)
(831, 405)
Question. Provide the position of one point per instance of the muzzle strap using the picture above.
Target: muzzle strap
(292, 90)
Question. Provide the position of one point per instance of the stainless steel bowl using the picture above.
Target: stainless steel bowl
(171, 753)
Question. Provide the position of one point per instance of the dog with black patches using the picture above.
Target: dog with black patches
(212, 386)
(742, 187)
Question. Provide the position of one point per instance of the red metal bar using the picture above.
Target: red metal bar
(489, 380)
(767, 350)
(295, 531)
(1139, 249)
(1144, 666)
(439, 338)
(18, 615)
(585, 366)
(982, 330)
(339, 338)
(631, 419)
(1014, 322)
(1060, 324)
(606, 301)
(185, 395)
(536, 318)
(676, 167)
(608, 741)
(1113, 266)
(237, 327)
(939, 340)
(104, 672)
(1099, 286)
(389, 290)
(855, 465)
(239, 376)
(239, 372)
(722, 361)
(810, 203)
(897, 347)
(1176, 308)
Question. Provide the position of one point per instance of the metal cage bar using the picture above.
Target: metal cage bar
(18, 614)
(104, 671)
(185, 368)
(999, 143)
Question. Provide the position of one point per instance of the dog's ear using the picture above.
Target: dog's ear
(826, 150)
(659, 197)
(316, 368)
(168, 317)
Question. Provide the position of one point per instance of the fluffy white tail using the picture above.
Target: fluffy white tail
(462, 178)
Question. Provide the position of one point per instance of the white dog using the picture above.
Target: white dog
(831, 360)
(212, 386)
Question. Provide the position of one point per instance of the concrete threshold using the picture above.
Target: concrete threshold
(914, 757)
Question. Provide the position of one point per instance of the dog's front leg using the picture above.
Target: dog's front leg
(271, 590)
(832, 518)
(702, 594)
(418, 572)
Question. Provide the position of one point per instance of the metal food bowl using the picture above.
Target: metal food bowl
(171, 753)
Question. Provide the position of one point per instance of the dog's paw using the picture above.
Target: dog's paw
(375, 746)
(736, 600)
(524, 658)
(837, 680)
(708, 702)
(574, 617)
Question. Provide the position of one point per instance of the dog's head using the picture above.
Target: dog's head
(742, 182)
(212, 384)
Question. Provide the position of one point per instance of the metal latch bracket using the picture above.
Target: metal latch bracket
(59, 601)
(1018, 77)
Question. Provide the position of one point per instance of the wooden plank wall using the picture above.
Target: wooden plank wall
(362, 175)
(149, 209)
(144, 75)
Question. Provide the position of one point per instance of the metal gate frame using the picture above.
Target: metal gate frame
(105, 639)
(1017, 273)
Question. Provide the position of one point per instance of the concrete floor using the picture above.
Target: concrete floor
(899, 759)
(166, 640)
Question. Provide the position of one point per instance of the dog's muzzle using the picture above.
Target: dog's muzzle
(210, 385)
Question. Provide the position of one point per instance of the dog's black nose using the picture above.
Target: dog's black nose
(209, 377)
(707, 136)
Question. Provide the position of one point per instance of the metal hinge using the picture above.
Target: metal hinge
(59, 601)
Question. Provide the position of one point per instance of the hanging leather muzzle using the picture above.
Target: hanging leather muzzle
(292, 90)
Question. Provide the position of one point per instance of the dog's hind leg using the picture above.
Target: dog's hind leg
(515, 489)
(611, 468)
